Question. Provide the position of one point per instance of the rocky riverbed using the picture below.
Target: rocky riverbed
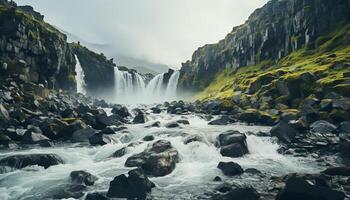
(57, 145)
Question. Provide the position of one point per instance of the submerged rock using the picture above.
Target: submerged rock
(135, 186)
(172, 125)
(120, 152)
(159, 159)
(96, 196)
(230, 168)
(22, 161)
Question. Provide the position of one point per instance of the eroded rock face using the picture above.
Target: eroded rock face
(21, 161)
(159, 159)
(232, 144)
(135, 186)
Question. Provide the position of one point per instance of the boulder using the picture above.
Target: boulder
(337, 171)
(148, 138)
(120, 152)
(83, 177)
(301, 188)
(159, 159)
(67, 132)
(222, 120)
(345, 127)
(96, 196)
(250, 116)
(172, 125)
(140, 118)
(22, 161)
(102, 139)
(344, 149)
(122, 111)
(183, 121)
(233, 144)
(230, 168)
(322, 127)
(51, 128)
(135, 186)
(34, 136)
(284, 132)
(83, 135)
(239, 194)
(193, 138)
(4, 139)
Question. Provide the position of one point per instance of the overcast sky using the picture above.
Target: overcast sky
(161, 31)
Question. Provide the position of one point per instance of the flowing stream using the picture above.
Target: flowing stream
(192, 177)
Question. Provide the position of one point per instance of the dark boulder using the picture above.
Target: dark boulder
(156, 110)
(120, 152)
(222, 120)
(250, 116)
(4, 139)
(96, 196)
(344, 149)
(345, 127)
(140, 118)
(322, 127)
(122, 111)
(193, 138)
(83, 135)
(284, 132)
(83, 177)
(102, 121)
(67, 132)
(183, 121)
(301, 188)
(159, 159)
(148, 138)
(337, 171)
(22, 161)
(230, 168)
(233, 144)
(102, 139)
(172, 125)
(52, 127)
(135, 186)
(34, 136)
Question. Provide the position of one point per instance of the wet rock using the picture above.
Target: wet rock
(344, 149)
(140, 118)
(322, 127)
(217, 179)
(96, 196)
(110, 130)
(83, 177)
(148, 138)
(4, 139)
(120, 152)
(193, 138)
(67, 132)
(233, 144)
(102, 121)
(252, 171)
(337, 171)
(239, 194)
(301, 188)
(230, 168)
(15, 134)
(122, 111)
(51, 128)
(83, 135)
(159, 159)
(156, 110)
(284, 132)
(183, 121)
(34, 136)
(22, 161)
(102, 139)
(154, 124)
(4, 115)
(172, 125)
(345, 127)
(250, 116)
(135, 186)
(67, 191)
(222, 120)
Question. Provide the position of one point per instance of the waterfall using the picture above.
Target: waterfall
(80, 77)
(130, 87)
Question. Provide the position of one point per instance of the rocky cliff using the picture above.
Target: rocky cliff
(99, 71)
(271, 32)
(26, 41)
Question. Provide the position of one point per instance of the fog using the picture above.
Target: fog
(159, 31)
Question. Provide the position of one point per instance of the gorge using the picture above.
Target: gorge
(262, 114)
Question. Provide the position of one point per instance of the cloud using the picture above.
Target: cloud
(161, 31)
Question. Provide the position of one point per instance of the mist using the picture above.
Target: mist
(158, 31)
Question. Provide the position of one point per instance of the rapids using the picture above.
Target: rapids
(191, 179)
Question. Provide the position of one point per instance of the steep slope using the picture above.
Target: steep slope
(27, 41)
(271, 33)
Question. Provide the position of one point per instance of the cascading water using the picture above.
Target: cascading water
(80, 77)
(130, 87)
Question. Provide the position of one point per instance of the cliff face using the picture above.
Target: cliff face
(25, 38)
(99, 71)
(270, 33)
